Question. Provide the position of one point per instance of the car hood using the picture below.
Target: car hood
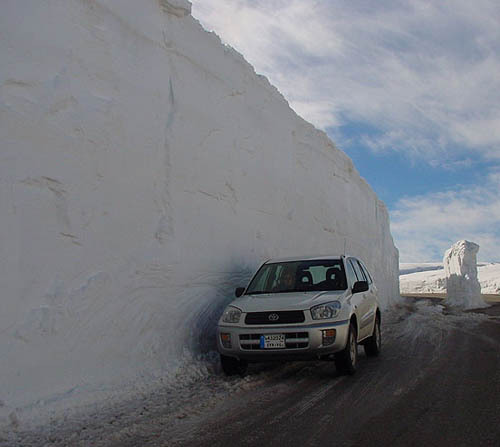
(286, 301)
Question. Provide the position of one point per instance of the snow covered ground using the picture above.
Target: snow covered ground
(430, 278)
(146, 170)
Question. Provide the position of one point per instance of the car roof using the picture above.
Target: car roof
(304, 258)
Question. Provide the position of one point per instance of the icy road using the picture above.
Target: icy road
(436, 383)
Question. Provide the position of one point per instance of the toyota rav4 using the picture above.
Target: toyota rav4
(302, 309)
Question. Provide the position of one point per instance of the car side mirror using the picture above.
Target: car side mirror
(359, 286)
(239, 291)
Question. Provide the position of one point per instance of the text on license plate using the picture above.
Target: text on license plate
(272, 341)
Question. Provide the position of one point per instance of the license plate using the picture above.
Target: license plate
(272, 341)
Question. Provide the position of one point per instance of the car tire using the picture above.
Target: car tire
(373, 345)
(232, 366)
(346, 361)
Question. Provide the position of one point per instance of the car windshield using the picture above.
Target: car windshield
(298, 276)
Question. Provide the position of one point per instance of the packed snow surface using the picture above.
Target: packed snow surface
(146, 171)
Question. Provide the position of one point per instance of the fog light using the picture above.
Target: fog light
(329, 336)
(225, 340)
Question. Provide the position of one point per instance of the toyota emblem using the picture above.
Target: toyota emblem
(273, 317)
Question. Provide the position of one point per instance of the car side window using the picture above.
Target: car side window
(366, 272)
(359, 273)
(365, 276)
(351, 275)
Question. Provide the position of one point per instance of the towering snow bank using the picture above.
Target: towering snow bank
(460, 267)
(146, 171)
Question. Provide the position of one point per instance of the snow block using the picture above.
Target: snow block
(462, 285)
(146, 171)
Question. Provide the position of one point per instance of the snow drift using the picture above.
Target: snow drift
(430, 278)
(146, 171)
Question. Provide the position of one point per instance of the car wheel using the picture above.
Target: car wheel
(373, 345)
(232, 366)
(346, 360)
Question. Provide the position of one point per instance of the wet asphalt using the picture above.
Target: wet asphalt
(436, 383)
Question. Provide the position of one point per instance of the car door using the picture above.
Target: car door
(357, 299)
(366, 310)
(372, 296)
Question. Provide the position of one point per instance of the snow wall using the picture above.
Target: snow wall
(146, 171)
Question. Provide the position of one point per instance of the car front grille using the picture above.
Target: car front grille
(278, 317)
(293, 340)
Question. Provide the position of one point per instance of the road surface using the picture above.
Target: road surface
(437, 383)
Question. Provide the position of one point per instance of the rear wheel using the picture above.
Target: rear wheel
(232, 366)
(373, 345)
(346, 360)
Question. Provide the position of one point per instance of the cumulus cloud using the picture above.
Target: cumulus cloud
(425, 226)
(423, 73)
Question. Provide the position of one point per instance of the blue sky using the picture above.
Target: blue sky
(409, 89)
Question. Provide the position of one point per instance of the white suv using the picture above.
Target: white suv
(302, 309)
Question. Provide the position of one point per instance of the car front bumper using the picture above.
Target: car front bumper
(303, 341)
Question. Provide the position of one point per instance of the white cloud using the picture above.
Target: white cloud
(321, 113)
(424, 227)
(423, 73)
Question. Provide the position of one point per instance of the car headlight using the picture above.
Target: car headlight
(327, 310)
(231, 315)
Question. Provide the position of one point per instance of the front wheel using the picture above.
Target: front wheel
(373, 345)
(232, 366)
(346, 360)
